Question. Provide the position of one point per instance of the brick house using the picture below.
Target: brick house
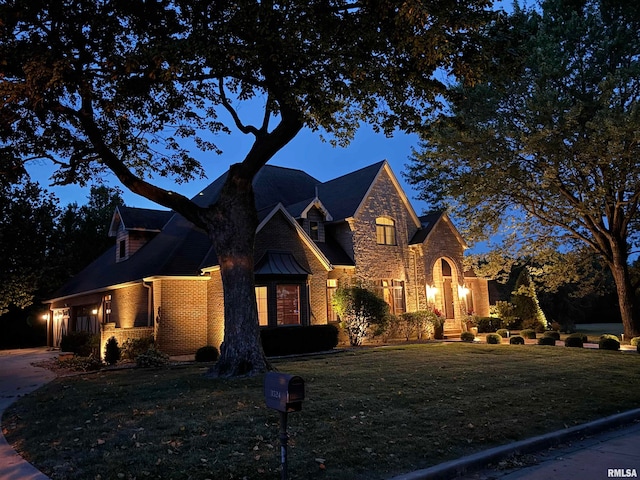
(162, 276)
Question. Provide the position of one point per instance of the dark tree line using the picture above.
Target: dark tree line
(42, 245)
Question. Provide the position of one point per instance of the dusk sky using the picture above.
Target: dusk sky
(306, 152)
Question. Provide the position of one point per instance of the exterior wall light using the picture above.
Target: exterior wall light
(431, 293)
(463, 291)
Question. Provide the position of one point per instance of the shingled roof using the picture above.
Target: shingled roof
(182, 249)
(145, 219)
(343, 195)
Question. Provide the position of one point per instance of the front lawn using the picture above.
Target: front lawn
(369, 413)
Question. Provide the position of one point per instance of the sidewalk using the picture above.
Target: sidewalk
(614, 454)
(592, 451)
(17, 378)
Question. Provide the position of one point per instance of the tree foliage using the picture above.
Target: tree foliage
(545, 148)
(82, 233)
(27, 235)
(527, 306)
(361, 311)
(136, 86)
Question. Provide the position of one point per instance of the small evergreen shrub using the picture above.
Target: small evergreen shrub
(487, 324)
(298, 340)
(528, 333)
(546, 341)
(574, 340)
(552, 334)
(635, 341)
(609, 342)
(503, 332)
(152, 358)
(467, 337)
(516, 340)
(581, 336)
(133, 347)
(82, 344)
(208, 353)
(494, 339)
(112, 351)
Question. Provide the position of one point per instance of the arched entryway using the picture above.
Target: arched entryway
(445, 295)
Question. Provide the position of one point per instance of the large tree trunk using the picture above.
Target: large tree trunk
(232, 224)
(620, 272)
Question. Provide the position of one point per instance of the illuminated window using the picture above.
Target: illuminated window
(261, 299)
(332, 286)
(385, 231)
(393, 293)
(107, 308)
(288, 304)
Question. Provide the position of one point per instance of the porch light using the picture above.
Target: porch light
(45, 316)
(94, 311)
(431, 293)
(463, 291)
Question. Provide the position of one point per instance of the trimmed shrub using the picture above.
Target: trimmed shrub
(152, 358)
(503, 332)
(208, 353)
(528, 333)
(112, 351)
(574, 340)
(132, 347)
(581, 336)
(299, 339)
(552, 334)
(609, 342)
(516, 340)
(547, 341)
(82, 344)
(487, 324)
(423, 323)
(363, 313)
(494, 339)
(467, 337)
(635, 341)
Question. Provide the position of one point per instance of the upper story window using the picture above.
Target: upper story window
(314, 230)
(385, 231)
(122, 249)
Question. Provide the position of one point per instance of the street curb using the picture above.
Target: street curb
(477, 461)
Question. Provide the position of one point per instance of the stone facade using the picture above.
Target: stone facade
(381, 243)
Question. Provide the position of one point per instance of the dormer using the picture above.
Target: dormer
(311, 215)
(134, 227)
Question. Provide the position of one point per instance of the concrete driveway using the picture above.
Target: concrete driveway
(17, 378)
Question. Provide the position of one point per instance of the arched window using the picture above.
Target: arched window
(385, 231)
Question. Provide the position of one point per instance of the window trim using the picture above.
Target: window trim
(386, 231)
(271, 283)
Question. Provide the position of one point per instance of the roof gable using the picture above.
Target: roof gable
(141, 219)
(428, 223)
(344, 196)
(279, 208)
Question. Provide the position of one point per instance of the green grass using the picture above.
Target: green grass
(369, 414)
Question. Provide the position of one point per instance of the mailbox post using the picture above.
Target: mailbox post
(284, 393)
